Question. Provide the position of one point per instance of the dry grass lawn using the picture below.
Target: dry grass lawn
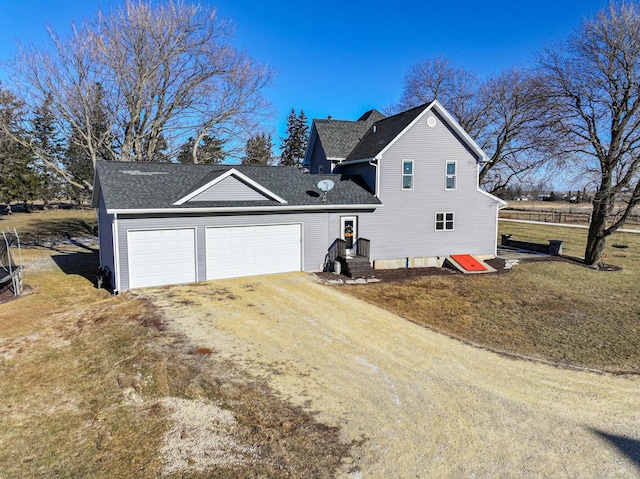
(39, 226)
(96, 386)
(551, 311)
(99, 386)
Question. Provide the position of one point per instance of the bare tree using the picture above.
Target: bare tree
(166, 72)
(439, 79)
(593, 87)
(503, 114)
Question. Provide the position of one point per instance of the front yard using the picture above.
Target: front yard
(551, 311)
(96, 386)
(282, 377)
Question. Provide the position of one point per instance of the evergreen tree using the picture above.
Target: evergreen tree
(160, 152)
(258, 150)
(185, 154)
(18, 181)
(294, 145)
(47, 141)
(209, 151)
(79, 165)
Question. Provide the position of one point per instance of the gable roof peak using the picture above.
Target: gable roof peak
(371, 115)
(384, 131)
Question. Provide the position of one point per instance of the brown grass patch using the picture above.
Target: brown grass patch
(552, 311)
(204, 351)
(96, 386)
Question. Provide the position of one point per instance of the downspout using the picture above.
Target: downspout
(116, 253)
(374, 163)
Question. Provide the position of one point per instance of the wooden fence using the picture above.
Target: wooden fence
(555, 216)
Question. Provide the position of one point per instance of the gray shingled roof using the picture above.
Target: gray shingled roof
(386, 130)
(137, 185)
(339, 137)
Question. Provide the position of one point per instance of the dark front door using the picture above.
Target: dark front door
(349, 228)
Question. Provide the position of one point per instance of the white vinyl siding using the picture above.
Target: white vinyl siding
(253, 250)
(230, 189)
(161, 257)
(405, 225)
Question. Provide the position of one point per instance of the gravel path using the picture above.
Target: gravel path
(425, 405)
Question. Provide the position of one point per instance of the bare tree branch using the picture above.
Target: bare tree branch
(168, 72)
(593, 90)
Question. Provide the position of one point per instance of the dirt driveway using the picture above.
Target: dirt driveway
(425, 405)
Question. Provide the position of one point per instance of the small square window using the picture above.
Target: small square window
(444, 221)
(407, 175)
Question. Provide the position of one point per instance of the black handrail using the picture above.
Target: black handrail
(363, 247)
(337, 250)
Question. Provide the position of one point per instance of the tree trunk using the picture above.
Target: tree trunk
(595, 248)
(596, 238)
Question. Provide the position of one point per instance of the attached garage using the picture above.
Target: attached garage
(159, 257)
(253, 250)
(172, 223)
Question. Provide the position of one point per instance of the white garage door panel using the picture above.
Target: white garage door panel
(251, 250)
(159, 257)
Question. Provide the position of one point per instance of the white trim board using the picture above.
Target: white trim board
(240, 176)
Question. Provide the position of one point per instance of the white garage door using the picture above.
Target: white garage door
(251, 250)
(159, 257)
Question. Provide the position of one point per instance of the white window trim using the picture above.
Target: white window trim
(413, 175)
(447, 175)
(444, 221)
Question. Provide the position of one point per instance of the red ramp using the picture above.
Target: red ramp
(468, 264)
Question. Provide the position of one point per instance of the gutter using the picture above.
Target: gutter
(240, 209)
(361, 160)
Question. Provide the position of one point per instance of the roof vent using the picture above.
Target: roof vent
(143, 173)
(375, 128)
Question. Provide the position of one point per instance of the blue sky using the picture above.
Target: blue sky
(342, 58)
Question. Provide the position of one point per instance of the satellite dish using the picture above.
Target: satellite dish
(326, 185)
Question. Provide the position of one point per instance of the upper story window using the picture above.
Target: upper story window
(450, 182)
(407, 174)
